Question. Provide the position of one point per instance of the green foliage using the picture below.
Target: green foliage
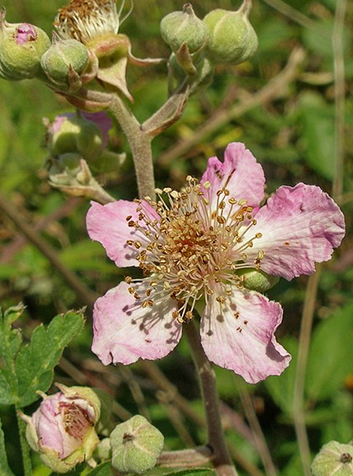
(331, 355)
(192, 472)
(30, 368)
(281, 388)
(5, 470)
(317, 119)
(101, 470)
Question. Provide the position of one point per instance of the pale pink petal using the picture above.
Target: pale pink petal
(48, 423)
(239, 173)
(240, 335)
(125, 331)
(108, 225)
(300, 226)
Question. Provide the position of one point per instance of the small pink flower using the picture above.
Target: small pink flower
(192, 246)
(62, 429)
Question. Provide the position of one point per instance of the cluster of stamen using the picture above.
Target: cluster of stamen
(85, 20)
(193, 249)
(76, 420)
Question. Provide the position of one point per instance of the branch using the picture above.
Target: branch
(185, 458)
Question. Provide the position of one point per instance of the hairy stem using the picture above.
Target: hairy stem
(221, 460)
(26, 457)
(140, 144)
(185, 458)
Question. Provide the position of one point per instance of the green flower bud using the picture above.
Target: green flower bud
(103, 450)
(64, 62)
(178, 28)
(334, 459)
(21, 47)
(136, 445)
(232, 38)
(257, 280)
(76, 133)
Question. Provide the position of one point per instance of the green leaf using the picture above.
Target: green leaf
(4, 467)
(10, 342)
(281, 387)
(101, 470)
(36, 361)
(331, 355)
(192, 472)
(317, 120)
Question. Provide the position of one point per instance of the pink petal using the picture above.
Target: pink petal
(108, 225)
(239, 173)
(125, 331)
(300, 226)
(245, 344)
(25, 33)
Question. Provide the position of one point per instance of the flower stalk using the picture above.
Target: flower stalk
(221, 460)
(25, 450)
(140, 144)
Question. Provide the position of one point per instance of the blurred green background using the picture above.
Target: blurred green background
(292, 134)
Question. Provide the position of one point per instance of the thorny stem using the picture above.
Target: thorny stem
(140, 144)
(26, 457)
(221, 460)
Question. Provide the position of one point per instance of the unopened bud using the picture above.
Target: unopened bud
(257, 280)
(334, 459)
(184, 27)
(136, 445)
(62, 429)
(232, 38)
(21, 47)
(64, 62)
(84, 133)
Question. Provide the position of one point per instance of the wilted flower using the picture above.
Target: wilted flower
(85, 21)
(192, 247)
(62, 429)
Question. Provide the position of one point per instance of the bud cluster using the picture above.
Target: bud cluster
(225, 36)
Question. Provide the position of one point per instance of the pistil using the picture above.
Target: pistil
(194, 249)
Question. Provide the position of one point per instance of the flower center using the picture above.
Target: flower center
(76, 420)
(85, 20)
(194, 248)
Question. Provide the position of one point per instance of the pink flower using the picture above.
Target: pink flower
(62, 429)
(192, 247)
